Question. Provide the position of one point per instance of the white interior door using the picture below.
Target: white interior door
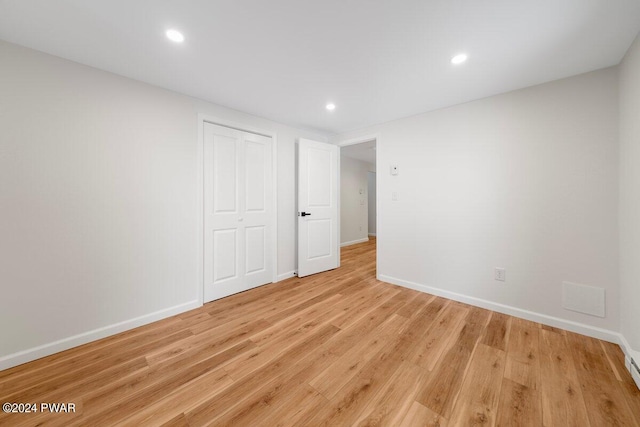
(317, 207)
(238, 211)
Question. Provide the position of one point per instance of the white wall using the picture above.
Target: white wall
(630, 198)
(526, 180)
(371, 188)
(353, 201)
(98, 201)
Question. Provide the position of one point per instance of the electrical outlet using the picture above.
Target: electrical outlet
(501, 274)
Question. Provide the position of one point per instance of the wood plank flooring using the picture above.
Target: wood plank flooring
(334, 349)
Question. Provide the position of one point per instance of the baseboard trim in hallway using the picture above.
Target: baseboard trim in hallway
(354, 242)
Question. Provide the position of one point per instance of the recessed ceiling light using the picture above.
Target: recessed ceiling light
(459, 59)
(331, 107)
(175, 36)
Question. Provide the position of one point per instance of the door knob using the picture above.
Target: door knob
(240, 219)
(304, 214)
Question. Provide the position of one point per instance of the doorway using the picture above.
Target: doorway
(358, 192)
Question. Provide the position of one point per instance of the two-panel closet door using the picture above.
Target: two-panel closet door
(238, 211)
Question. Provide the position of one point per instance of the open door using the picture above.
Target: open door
(317, 207)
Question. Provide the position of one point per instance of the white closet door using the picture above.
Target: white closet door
(238, 211)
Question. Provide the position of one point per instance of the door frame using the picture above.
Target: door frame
(207, 118)
(354, 141)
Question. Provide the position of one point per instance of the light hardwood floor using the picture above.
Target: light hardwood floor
(338, 348)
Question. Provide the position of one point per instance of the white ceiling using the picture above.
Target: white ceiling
(376, 60)
(365, 151)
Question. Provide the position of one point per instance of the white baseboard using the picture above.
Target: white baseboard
(34, 353)
(569, 325)
(372, 234)
(354, 242)
(285, 276)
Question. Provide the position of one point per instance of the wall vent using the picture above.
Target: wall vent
(583, 299)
